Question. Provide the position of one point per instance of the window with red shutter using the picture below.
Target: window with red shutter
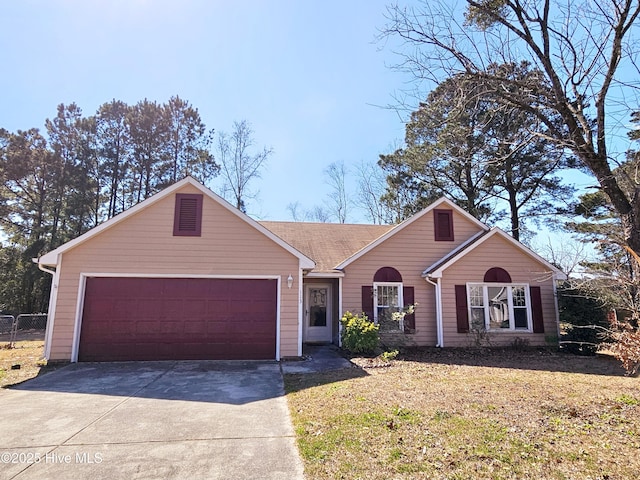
(443, 225)
(187, 220)
(386, 297)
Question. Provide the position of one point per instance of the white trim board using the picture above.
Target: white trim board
(478, 241)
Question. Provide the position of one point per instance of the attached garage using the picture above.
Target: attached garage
(135, 318)
(181, 275)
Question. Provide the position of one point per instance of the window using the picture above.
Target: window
(443, 225)
(499, 307)
(386, 296)
(187, 219)
(387, 299)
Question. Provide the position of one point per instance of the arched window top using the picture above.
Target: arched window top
(387, 274)
(497, 275)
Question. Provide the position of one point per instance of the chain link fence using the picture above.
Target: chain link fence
(23, 327)
(6, 324)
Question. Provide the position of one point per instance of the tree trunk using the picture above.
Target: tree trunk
(629, 211)
(515, 221)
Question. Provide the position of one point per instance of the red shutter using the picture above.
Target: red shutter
(443, 225)
(409, 320)
(536, 310)
(367, 301)
(187, 219)
(462, 314)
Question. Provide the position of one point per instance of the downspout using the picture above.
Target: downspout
(340, 312)
(48, 334)
(439, 328)
(301, 313)
(555, 301)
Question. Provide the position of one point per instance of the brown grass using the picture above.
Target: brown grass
(470, 415)
(27, 353)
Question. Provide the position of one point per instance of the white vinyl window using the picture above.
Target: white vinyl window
(387, 299)
(499, 307)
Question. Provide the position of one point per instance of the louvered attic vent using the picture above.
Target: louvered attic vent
(443, 225)
(187, 220)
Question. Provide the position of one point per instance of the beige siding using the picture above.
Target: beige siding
(410, 251)
(144, 243)
(497, 252)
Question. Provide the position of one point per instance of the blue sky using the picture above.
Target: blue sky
(307, 75)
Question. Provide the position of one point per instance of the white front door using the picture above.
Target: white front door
(317, 313)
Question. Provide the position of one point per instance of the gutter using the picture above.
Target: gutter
(41, 267)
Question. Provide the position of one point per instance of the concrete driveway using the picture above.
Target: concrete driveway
(155, 420)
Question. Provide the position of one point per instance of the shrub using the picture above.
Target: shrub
(583, 318)
(389, 356)
(359, 334)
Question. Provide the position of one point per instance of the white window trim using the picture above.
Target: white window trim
(400, 301)
(485, 300)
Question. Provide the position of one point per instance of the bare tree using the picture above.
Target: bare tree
(339, 200)
(585, 51)
(296, 211)
(614, 286)
(316, 214)
(239, 166)
(566, 253)
(371, 187)
(319, 214)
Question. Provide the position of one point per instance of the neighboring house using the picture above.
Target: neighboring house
(185, 275)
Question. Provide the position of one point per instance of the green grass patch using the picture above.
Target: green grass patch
(627, 400)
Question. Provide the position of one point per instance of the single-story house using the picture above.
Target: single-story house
(185, 275)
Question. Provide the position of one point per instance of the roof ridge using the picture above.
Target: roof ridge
(333, 224)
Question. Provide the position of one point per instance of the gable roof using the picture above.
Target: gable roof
(440, 203)
(51, 258)
(436, 270)
(327, 244)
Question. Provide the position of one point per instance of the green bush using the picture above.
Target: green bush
(359, 334)
(389, 356)
(583, 319)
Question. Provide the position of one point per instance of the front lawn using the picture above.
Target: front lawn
(24, 361)
(470, 415)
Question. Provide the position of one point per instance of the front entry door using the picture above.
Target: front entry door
(317, 313)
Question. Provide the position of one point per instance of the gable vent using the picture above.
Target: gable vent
(188, 215)
(443, 225)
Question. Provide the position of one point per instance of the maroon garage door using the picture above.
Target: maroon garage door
(178, 319)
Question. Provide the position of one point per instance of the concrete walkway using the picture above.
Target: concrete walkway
(317, 358)
(149, 420)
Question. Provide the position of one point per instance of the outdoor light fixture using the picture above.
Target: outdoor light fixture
(289, 281)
